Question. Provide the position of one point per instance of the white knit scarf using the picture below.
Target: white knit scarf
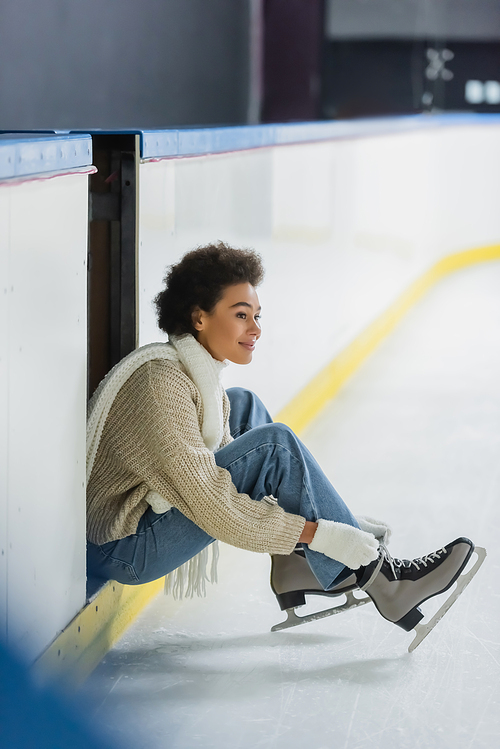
(205, 372)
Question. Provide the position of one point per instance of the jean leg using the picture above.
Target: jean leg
(161, 543)
(270, 459)
(247, 411)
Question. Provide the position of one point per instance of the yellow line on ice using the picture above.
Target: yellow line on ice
(310, 401)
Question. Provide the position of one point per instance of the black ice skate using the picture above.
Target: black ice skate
(397, 587)
(292, 579)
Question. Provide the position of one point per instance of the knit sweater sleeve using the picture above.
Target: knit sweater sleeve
(203, 491)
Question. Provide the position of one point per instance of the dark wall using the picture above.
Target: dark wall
(293, 37)
(122, 63)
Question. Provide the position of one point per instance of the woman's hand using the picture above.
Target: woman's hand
(345, 543)
(380, 530)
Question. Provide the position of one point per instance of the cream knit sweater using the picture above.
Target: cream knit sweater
(152, 442)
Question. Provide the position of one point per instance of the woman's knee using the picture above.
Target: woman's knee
(240, 397)
(247, 411)
(243, 399)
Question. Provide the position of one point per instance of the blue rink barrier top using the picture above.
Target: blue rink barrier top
(30, 154)
(199, 141)
(189, 141)
(176, 143)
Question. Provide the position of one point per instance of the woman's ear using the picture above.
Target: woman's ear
(197, 318)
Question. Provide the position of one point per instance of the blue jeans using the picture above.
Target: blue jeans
(264, 458)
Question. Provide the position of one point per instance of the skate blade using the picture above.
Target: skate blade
(422, 630)
(293, 620)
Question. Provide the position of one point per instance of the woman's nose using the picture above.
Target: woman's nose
(255, 328)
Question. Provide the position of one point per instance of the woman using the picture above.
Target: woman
(175, 462)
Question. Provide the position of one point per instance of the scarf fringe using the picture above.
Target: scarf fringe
(190, 578)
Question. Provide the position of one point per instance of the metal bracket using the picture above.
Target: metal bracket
(112, 267)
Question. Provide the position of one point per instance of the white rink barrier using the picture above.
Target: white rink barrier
(43, 351)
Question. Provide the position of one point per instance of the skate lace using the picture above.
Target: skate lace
(434, 556)
(395, 563)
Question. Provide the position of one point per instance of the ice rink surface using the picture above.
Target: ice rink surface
(413, 439)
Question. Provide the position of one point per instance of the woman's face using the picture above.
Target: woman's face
(232, 329)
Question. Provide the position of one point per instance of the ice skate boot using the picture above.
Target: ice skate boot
(292, 580)
(397, 587)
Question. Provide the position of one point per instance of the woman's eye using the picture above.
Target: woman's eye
(244, 316)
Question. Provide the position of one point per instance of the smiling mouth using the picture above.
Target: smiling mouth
(250, 346)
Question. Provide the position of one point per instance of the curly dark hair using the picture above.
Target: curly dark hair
(199, 280)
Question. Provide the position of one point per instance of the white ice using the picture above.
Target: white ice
(414, 439)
